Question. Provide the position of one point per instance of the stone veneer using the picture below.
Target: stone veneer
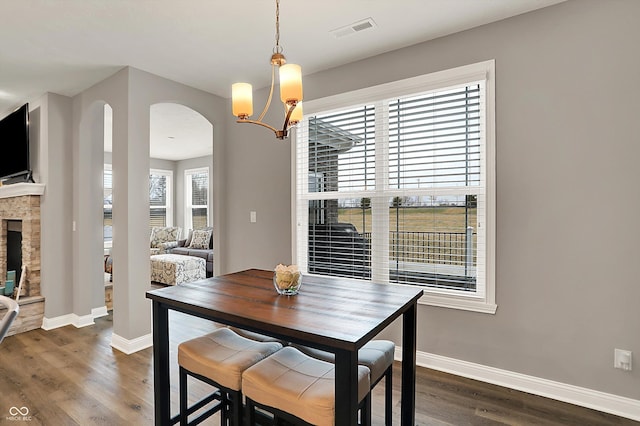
(21, 202)
(27, 209)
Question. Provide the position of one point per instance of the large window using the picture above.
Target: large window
(107, 208)
(160, 200)
(395, 184)
(197, 198)
(160, 185)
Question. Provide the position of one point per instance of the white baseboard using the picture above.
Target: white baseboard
(99, 312)
(601, 401)
(131, 346)
(69, 319)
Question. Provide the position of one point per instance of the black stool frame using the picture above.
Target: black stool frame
(229, 405)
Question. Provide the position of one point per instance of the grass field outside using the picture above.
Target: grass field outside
(427, 235)
(414, 219)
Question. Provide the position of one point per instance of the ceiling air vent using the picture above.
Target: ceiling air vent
(356, 27)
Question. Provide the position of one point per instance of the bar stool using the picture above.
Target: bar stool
(298, 389)
(377, 355)
(219, 358)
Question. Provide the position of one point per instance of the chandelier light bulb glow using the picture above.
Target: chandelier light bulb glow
(242, 94)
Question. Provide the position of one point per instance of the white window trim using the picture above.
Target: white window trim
(107, 244)
(188, 222)
(169, 189)
(484, 302)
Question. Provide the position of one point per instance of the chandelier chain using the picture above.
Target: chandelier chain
(277, 49)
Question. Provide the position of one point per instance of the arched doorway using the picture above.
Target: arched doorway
(181, 169)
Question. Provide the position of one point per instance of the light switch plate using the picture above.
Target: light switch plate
(622, 359)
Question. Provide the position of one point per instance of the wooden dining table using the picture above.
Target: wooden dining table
(331, 314)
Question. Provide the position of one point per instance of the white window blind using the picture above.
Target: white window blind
(344, 142)
(394, 189)
(107, 210)
(434, 139)
(160, 197)
(197, 196)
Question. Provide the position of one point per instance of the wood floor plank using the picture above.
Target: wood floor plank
(72, 376)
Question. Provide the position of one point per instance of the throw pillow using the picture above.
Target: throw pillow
(200, 239)
(163, 234)
(209, 228)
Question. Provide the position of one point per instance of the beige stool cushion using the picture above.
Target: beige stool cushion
(298, 384)
(222, 356)
(377, 355)
(255, 336)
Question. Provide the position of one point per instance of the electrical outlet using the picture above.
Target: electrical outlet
(622, 359)
(252, 217)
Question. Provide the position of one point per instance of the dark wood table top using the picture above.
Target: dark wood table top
(329, 313)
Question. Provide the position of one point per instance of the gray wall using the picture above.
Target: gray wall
(567, 198)
(257, 178)
(154, 163)
(50, 117)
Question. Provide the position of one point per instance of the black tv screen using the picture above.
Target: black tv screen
(14, 143)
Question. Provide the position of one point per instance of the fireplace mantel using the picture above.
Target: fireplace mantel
(20, 189)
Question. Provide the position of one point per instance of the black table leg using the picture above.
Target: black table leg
(408, 367)
(161, 385)
(346, 391)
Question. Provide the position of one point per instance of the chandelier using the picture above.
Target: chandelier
(290, 77)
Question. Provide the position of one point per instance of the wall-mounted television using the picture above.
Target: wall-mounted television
(14, 144)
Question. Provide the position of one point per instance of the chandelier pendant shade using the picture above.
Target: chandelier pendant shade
(290, 79)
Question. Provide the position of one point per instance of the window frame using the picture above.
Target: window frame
(107, 167)
(169, 195)
(188, 195)
(484, 299)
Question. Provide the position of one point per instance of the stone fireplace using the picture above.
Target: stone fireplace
(20, 226)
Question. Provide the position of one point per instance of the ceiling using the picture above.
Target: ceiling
(66, 47)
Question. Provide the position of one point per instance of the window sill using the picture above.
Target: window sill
(465, 303)
(442, 299)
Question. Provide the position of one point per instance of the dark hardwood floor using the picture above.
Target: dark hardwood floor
(71, 376)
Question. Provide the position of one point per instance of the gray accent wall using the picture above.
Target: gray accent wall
(567, 91)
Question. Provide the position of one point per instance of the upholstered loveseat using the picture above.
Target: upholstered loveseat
(203, 249)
